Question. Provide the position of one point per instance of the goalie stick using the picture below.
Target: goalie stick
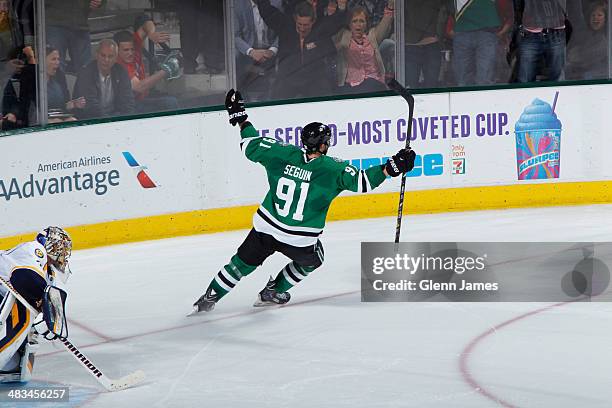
(404, 93)
(108, 383)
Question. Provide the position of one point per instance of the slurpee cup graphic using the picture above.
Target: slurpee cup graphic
(538, 142)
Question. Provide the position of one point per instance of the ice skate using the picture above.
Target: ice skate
(270, 297)
(205, 303)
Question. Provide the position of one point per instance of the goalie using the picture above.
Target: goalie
(36, 270)
(303, 183)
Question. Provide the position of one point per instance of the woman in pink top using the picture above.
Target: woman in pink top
(360, 66)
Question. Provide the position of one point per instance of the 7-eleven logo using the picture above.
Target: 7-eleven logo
(458, 166)
(143, 178)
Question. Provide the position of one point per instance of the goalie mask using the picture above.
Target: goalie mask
(58, 245)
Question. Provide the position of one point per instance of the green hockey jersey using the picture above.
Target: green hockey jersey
(301, 189)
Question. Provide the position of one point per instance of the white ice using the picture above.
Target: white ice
(127, 306)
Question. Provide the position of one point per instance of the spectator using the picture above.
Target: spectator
(322, 8)
(58, 96)
(140, 81)
(105, 85)
(306, 50)
(256, 50)
(360, 65)
(19, 97)
(588, 52)
(68, 30)
(18, 76)
(375, 9)
(424, 26)
(6, 36)
(476, 30)
(144, 28)
(202, 30)
(21, 20)
(542, 30)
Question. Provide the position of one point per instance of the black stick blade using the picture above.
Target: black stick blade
(395, 86)
(398, 88)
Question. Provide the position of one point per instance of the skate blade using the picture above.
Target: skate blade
(260, 303)
(193, 312)
(197, 311)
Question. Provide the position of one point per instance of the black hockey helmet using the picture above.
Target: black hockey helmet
(314, 135)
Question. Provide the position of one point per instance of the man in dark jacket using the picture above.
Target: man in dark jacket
(105, 85)
(68, 30)
(202, 31)
(305, 49)
(423, 29)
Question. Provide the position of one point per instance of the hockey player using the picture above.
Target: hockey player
(35, 270)
(303, 183)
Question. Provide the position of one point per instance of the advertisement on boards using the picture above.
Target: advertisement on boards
(83, 175)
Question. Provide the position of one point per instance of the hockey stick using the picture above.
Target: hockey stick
(109, 384)
(119, 384)
(404, 93)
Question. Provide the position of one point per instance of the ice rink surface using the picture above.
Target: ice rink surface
(127, 307)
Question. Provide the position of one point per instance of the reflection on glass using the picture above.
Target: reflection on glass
(587, 55)
(202, 35)
(18, 70)
(306, 54)
(169, 54)
(360, 67)
(478, 31)
(202, 44)
(19, 95)
(61, 106)
(68, 31)
(542, 41)
(105, 85)
(256, 49)
(164, 55)
(130, 57)
(424, 22)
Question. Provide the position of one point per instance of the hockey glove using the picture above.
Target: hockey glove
(171, 66)
(54, 315)
(401, 162)
(235, 108)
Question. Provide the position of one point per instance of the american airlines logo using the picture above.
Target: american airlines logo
(142, 176)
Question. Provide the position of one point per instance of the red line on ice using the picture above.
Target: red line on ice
(90, 330)
(468, 377)
(198, 323)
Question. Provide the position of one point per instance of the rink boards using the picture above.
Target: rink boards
(179, 175)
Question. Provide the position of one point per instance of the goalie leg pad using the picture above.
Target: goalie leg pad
(14, 331)
(28, 355)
